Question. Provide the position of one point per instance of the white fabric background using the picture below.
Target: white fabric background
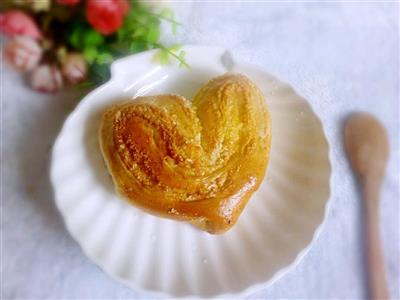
(341, 56)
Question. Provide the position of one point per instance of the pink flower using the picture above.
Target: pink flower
(15, 22)
(74, 68)
(23, 53)
(68, 2)
(46, 78)
(106, 16)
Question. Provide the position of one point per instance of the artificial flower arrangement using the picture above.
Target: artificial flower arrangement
(58, 42)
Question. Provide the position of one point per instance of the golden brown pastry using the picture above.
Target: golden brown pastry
(194, 161)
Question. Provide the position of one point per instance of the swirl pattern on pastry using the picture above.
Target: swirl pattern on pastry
(194, 161)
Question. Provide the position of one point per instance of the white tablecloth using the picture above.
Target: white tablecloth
(341, 56)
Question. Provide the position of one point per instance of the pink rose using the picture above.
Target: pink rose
(68, 2)
(15, 22)
(23, 53)
(106, 16)
(74, 68)
(46, 78)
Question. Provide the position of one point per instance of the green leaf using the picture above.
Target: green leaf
(154, 22)
(161, 56)
(104, 58)
(167, 13)
(139, 32)
(99, 73)
(182, 54)
(90, 54)
(137, 46)
(183, 64)
(153, 35)
(121, 34)
(92, 38)
(174, 47)
(140, 18)
(75, 38)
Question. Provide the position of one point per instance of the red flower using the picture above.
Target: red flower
(15, 22)
(124, 4)
(106, 16)
(68, 2)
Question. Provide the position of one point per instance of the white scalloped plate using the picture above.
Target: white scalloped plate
(169, 258)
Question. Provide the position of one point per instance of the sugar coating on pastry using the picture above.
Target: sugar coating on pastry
(196, 161)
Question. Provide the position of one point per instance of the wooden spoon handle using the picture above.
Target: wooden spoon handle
(377, 277)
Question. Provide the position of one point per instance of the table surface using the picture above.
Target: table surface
(342, 57)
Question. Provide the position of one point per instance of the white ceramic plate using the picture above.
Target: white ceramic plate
(171, 258)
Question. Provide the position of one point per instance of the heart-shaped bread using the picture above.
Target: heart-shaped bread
(194, 161)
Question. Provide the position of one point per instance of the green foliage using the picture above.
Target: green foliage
(165, 53)
(168, 15)
(141, 31)
(153, 35)
(82, 37)
(140, 25)
(163, 56)
(90, 54)
(92, 38)
(99, 73)
(75, 38)
(104, 58)
(139, 46)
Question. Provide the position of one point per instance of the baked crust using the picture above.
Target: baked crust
(194, 161)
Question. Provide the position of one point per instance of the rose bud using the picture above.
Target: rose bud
(23, 53)
(15, 22)
(68, 2)
(46, 78)
(74, 68)
(106, 16)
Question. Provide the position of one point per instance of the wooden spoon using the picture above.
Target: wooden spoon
(367, 147)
